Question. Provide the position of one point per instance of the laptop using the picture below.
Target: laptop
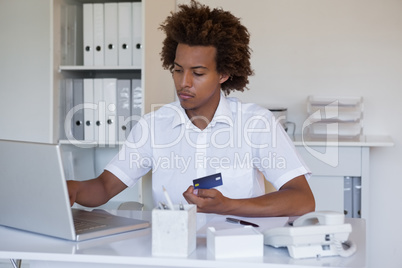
(34, 196)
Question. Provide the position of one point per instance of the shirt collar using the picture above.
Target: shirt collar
(223, 114)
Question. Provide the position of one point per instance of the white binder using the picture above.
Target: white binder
(69, 34)
(125, 34)
(137, 34)
(89, 110)
(357, 195)
(347, 196)
(111, 34)
(63, 109)
(137, 94)
(88, 34)
(78, 116)
(63, 34)
(99, 32)
(123, 108)
(136, 101)
(68, 107)
(109, 92)
(99, 118)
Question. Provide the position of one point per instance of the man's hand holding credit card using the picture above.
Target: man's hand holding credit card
(208, 182)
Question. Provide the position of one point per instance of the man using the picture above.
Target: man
(204, 132)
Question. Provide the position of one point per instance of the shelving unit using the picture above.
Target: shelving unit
(98, 68)
(153, 13)
(35, 67)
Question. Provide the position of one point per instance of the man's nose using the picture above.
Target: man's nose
(187, 80)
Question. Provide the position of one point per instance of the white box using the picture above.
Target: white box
(174, 231)
(235, 242)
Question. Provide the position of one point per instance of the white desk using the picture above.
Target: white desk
(133, 249)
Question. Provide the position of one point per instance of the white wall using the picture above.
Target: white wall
(336, 47)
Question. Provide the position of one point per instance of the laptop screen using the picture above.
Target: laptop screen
(33, 192)
(34, 196)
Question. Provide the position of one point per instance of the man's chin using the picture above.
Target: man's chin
(185, 105)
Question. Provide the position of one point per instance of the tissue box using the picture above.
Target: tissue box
(174, 231)
(235, 242)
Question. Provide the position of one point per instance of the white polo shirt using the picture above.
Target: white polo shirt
(241, 139)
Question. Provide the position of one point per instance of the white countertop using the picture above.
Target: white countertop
(362, 141)
(134, 248)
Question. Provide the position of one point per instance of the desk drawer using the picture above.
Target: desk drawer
(332, 161)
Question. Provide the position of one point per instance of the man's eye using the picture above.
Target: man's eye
(177, 70)
(198, 74)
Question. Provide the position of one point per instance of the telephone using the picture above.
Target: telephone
(315, 234)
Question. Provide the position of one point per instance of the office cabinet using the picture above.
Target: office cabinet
(327, 181)
(332, 163)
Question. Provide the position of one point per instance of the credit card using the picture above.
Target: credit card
(208, 182)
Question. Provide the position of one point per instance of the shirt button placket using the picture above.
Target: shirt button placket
(201, 154)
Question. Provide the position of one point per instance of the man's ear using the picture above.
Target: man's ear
(223, 78)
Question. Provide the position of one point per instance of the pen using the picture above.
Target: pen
(168, 200)
(233, 220)
(162, 206)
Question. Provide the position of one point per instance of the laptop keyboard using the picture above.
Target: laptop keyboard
(81, 225)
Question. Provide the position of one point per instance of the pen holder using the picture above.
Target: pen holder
(174, 231)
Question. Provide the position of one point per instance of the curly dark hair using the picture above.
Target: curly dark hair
(198, 25)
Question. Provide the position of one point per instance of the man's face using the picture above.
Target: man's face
(196, 80)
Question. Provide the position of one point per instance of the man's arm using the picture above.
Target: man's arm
(95, 192)
(293, 198)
